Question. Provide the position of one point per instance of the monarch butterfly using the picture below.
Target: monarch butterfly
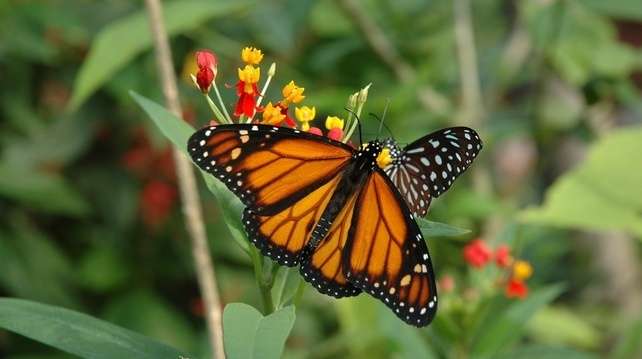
(334, 211)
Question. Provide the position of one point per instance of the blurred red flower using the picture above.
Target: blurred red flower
(446, 283)
(477, 253)
(516, 289)
(503, 258)
(156, 202)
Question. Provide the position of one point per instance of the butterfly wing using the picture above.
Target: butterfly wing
(427, 167)
(285, 178)
(268, 168)
(386, 255)
(322, 268)
(283, 236)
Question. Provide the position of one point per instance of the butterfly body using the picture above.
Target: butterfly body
(334, 211)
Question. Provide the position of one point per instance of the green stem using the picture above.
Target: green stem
(217, 112)
(354, 124)
(220, 101)
(264, 285)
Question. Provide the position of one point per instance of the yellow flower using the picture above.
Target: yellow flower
(249, 75)
(272, 115)
(384, 159)
(305, 114)
(251, 55)
(292, 93)
(522, 270)
(333, 122)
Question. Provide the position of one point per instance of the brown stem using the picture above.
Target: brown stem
(187, 185)
(429, 98)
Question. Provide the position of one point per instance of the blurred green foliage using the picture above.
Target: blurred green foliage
(90, 219)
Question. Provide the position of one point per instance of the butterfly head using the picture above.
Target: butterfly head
(390, 153)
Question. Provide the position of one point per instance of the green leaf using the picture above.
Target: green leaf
(178, 132)
(33, 266)
(557, 325)
(40, 190)
(629, 343)
(545, 352)
(603, 193)
(102, 269)
(437, 229)
(506, 326)
(248, 334)
(623, 9)
(147, 313)
(587, 46)
(121, 41)
(77, 333)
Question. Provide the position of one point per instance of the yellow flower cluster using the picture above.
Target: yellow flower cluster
(251, 55)
(272, 115)
(292, 94)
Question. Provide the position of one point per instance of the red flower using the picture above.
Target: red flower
(477, 253)
(287, 120)
(315, 131)
(503, 258)
(206, 74)
(247, 91)
(157, 201)
(246, 103)
(516, 289)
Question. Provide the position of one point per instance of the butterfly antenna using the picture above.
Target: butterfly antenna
(358, 124)
(383, 117)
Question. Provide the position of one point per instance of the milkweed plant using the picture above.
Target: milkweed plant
(488, 274)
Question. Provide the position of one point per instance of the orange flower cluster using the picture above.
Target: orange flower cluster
(478, 254)
(249, 97)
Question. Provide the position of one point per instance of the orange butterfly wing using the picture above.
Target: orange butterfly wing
(386, 255)
(285, 178)
(323, 267)
(268, 168)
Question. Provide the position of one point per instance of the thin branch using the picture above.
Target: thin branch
(471, 98)
(187, 184)
(429, 98)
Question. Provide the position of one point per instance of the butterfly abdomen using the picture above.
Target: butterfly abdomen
(352, 179)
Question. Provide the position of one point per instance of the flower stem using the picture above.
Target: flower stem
(215, 109)
(220, 101)
(271, 73)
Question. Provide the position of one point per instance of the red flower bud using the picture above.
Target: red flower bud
(206, 59)
(204, 79)
(477, 253)
(315, 131)
(206, 62)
